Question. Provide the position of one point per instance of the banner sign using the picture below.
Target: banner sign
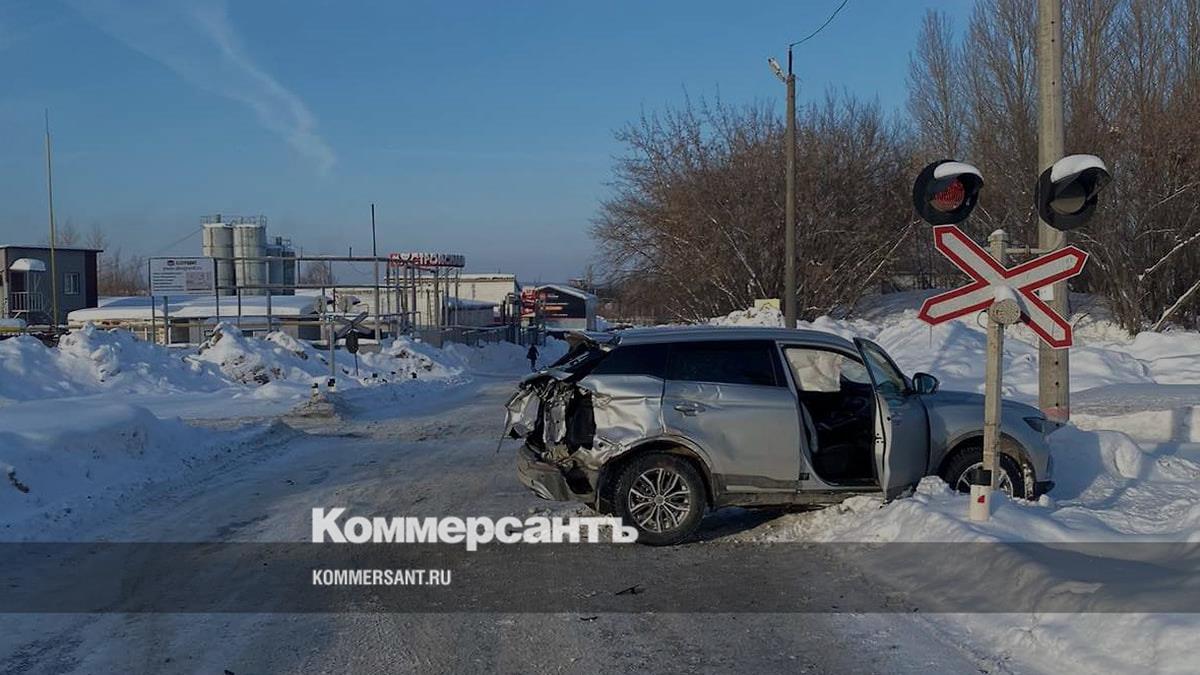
(182, 276)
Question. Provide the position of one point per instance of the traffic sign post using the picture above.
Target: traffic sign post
(348, 326)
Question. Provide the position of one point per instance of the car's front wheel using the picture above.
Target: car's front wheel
(662, 496)
(1011, 480)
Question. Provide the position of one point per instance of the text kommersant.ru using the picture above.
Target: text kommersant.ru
(329, 527)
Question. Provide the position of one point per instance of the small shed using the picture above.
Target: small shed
(566, 307)
(27, 291)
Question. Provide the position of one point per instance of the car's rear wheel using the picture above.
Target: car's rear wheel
(1011, 480)
(662, 496)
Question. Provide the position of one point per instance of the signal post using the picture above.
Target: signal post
(944, 194)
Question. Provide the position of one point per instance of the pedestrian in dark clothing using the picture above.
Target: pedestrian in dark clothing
(532, 355)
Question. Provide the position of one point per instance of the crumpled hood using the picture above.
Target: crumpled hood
(950, 397)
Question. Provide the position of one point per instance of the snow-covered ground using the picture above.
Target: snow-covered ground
(90, 423)
(1127, 470)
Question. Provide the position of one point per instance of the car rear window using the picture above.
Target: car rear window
(724, 361)
(635, 360)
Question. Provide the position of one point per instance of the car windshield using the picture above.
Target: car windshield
(888, 378)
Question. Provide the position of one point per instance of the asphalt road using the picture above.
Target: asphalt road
(439, 457)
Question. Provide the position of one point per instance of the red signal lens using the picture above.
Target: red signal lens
(950, 198)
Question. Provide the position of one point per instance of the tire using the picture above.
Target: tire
(970, 456)
(666, 521)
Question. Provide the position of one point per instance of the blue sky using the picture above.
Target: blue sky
(484, 128)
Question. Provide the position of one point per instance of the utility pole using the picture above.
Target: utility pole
(53, 234)
(789, 207)
(1054, 372)
(789, 233)
(374, 254)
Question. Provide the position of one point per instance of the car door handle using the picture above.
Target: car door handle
(689, 408)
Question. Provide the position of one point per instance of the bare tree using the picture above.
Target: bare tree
(1132, 86)
(318, 273)
(935, 92)
(695, 222)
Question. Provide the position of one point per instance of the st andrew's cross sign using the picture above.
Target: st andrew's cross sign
(991, 278)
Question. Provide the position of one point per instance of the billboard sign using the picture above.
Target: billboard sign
(418, 259)
(182, 276)
(529, 302)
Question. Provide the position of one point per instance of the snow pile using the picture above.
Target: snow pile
(89, 361)
(279, 357)
(1108, 489)
(58, 467)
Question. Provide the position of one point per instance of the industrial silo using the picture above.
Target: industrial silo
(218, 243)
(250, 241)
(282, 273)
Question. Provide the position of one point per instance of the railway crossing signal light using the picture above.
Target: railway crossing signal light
(1066, 192)
(946, 192)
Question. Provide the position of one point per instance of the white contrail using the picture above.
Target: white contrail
(196, 40)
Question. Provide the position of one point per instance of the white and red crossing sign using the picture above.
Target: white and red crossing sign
(989, 275)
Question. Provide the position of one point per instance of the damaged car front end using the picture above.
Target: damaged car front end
(577, 415)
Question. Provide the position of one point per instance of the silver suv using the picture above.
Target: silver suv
(659, 425)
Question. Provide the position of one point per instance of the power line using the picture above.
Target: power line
(827, 22)
(180, 240)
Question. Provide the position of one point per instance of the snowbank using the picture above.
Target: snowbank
(89, 361)
(279, 357)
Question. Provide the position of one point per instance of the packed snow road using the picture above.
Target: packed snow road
(436, 457)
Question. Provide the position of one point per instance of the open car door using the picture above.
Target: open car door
(901, 423)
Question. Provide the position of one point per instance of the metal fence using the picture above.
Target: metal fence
(476, 336)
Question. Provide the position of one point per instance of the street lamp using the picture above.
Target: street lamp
(789, 232)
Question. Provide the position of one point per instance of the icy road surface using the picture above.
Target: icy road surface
(435, 457)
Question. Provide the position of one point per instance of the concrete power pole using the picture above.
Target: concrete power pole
(1054, 379)
(789, 234)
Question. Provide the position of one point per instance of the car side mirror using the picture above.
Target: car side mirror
(924, 383)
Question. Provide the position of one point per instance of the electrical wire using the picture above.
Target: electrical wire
(180, 240)
(827, 22)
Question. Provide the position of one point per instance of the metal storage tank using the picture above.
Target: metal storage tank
(250, 241)
(282, 272)
(218, 243)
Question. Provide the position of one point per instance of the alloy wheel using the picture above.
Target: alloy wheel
(964, 484)
(659, 499)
